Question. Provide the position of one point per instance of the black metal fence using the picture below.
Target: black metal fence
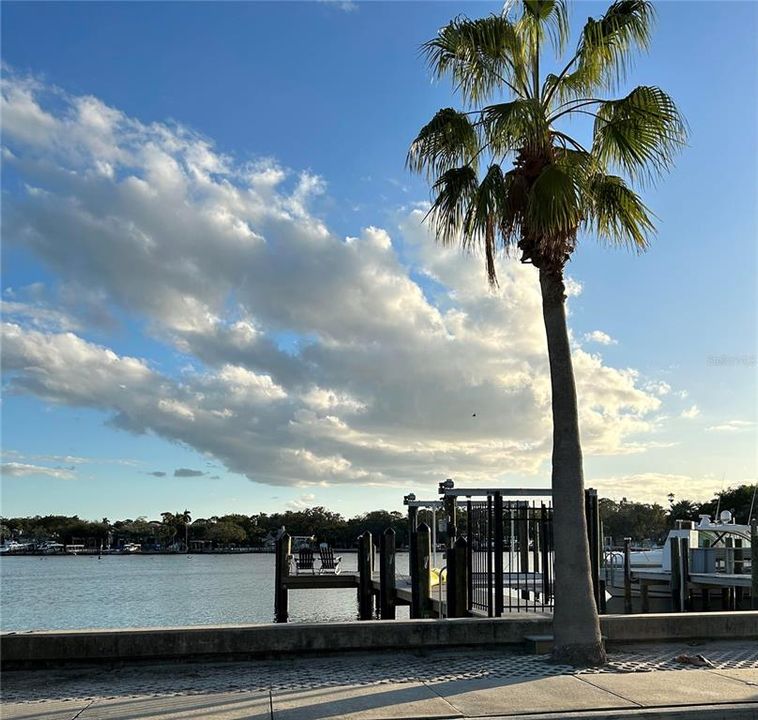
(511, 540)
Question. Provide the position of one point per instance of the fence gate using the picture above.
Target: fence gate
(511, 540)
(510, 546)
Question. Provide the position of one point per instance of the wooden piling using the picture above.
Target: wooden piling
(754, 565)
(684, 561)
(412, 548)
(281, 570)
(728, 593)
(592, 515)
(676, 580)
(365, 594)
(421, 605)
(457, 579)
(627, 576)
(387, 575)
(644, 596)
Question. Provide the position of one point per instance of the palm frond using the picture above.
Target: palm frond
(454, 191)
(640, 133)
(606, 49)
(618, 214)
(551, 16)
(484, 217)
(513, 125)
(480, 55)
(554, 207)
(448, 140)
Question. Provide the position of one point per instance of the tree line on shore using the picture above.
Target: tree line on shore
(625, 518)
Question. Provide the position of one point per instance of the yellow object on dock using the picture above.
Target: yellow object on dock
(437, 576)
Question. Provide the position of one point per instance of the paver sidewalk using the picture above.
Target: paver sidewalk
(638, 683)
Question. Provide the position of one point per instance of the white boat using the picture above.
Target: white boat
(13, 546)
(714, 549)
(131, 548)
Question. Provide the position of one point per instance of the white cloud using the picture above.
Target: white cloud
(302, 502)
(220, 258)
(651, 487)
(17, 469)
(732, 426)
(691, 413)
(598, 336)
(347, 6)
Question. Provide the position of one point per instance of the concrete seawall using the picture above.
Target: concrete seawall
(46, 648)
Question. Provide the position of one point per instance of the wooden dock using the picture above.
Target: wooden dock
(402, 592)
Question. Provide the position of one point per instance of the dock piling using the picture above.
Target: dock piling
(282, 567)
(754, 565)
(739, 567)
(421, 606)
(412, 548)
(684, 559)
(365, 594)
(457, 579)
(627, 576)
(387, 575)
(676, 578)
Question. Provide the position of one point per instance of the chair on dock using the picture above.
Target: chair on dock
(304, 560)
(329, 564)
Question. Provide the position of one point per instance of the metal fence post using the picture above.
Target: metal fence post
(498, 537)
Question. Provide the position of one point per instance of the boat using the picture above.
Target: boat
(717, 548)
(12, 546)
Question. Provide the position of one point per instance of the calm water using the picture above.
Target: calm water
(153, 590)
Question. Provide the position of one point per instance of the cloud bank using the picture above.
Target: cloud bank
(305, 358)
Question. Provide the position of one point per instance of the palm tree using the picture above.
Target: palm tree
(506, 174)
(186, 519)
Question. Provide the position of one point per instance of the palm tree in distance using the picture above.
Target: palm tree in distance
(506, 174)
(186, 518)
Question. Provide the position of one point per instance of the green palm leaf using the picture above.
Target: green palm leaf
(446, 141)
(618, 214)
(484, 217)
(512, 125)
(640, 133)
(455, 191)
(549, 15)
(480, 55)
(605, 49)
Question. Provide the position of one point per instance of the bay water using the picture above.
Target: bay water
(120, 591)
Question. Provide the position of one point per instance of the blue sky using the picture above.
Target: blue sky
(147, 120)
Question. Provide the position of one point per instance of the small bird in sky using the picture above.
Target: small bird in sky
(473, 415)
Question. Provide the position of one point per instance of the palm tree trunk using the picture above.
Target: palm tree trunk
(576, 627)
